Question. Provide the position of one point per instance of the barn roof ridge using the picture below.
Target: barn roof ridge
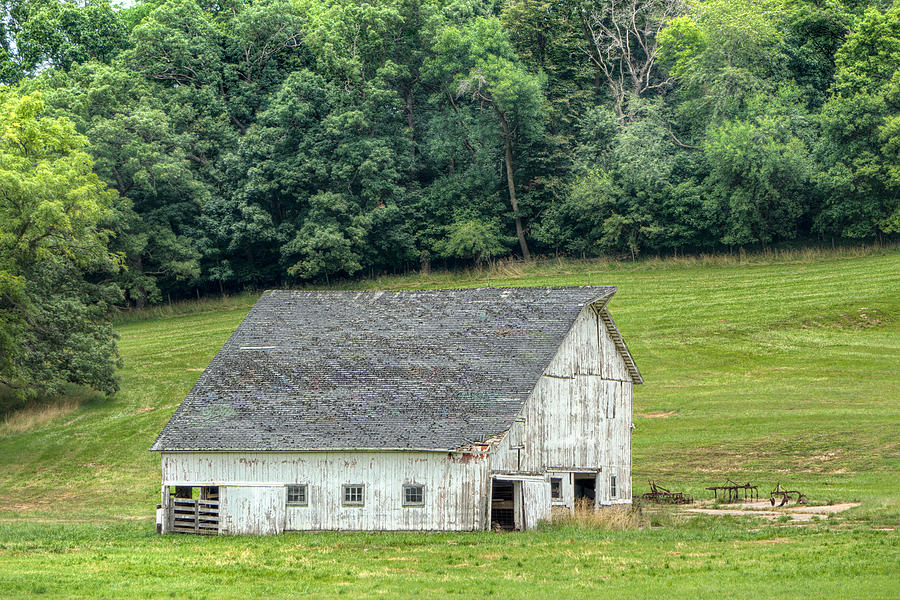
(390, 369)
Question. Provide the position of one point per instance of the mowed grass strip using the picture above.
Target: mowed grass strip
(767, 369)
(704, 558)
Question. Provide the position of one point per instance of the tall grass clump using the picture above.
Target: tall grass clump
(33, 417)
(617, 518)
(205, 304)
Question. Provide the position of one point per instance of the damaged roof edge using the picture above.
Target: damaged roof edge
(621, 346)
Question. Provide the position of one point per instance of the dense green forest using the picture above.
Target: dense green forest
(174, 148)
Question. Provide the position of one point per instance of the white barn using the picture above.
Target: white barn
(407, 410)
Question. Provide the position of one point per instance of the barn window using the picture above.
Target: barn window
(556, 488)
(413, 495)
(296, 495)
(613, 489)
(353, 494)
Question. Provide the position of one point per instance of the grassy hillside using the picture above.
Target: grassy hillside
(769, 369)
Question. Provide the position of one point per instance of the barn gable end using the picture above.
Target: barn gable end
(578, 417)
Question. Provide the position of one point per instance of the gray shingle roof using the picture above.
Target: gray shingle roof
(432, 369)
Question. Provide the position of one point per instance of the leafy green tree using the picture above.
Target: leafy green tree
(333, 129)
(330, 240)
(140, 154)
(814, 33)
(37, 34)
(861, 148)
(478, 60)
(634, 189)
(577, 223)
(263, 44)
(762, 172)
(722, 53)
(52, 214)
(474, 239)
(178, 42)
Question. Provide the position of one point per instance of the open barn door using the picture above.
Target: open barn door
(519, 502)
(504, 508)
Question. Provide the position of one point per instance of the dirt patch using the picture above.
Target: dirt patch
(764, 510)
(778, 540)
(829, 509)
(831, 455)
(146, 409)
(659, 414)
(862, 317)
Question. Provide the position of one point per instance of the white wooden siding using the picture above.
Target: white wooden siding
(536, 501)
(252, 509)
(568, 419)
(455, 487)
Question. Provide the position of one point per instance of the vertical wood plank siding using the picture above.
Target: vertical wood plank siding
(537, 502)
(252, 509)
(579, 415)
(455, 487)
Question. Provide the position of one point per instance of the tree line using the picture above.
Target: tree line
(180, 147)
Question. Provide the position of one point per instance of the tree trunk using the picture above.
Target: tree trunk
(592, 49)
(511, 183)
(410, 119)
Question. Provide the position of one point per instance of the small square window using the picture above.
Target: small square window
(556, 488)
(353, 495)
(613, 491)
(413, 495)
(296, 495)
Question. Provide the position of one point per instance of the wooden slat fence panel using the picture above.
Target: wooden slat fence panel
(195, 516)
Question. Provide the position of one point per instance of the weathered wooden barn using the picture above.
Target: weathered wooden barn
(408, 410)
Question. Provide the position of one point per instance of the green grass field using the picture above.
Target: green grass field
(768, 369)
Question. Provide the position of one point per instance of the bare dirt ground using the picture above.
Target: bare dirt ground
(764, 509)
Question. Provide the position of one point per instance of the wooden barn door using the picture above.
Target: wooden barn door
(256, 510)
(519, 503)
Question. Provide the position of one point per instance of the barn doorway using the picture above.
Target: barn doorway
(504, 513)
(585, 488)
